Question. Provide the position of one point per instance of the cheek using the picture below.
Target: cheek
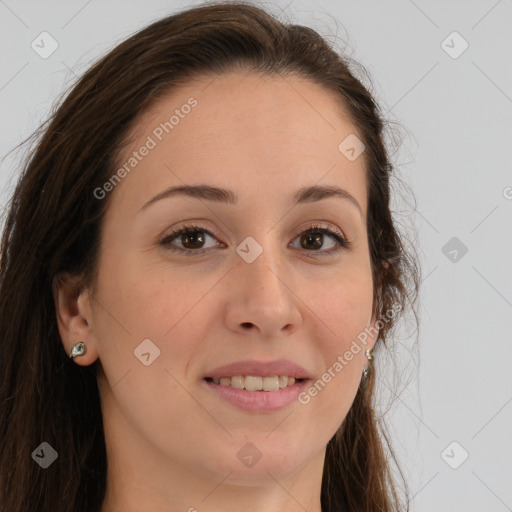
(342, 315)
(342, 307)
(137, 308)
(151, 301)
(134, 306)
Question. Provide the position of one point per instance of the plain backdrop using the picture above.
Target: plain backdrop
(443, 71)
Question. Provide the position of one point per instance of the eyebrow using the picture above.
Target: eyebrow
(222, 195)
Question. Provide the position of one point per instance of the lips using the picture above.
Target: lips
(260, 368)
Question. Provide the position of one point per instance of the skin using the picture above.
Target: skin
(172, 442)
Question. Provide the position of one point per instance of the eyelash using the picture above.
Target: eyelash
(342, 243)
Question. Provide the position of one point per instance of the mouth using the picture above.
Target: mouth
(257, 394)
(256, 383)
(258, 386)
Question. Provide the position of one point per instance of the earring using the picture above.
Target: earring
(78, 350)
(369, 355)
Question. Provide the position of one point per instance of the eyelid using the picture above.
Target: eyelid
(198, 223)
(184, 227)
(326, 228)
(321, 225)
(190, 225)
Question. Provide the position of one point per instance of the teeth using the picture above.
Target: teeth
(253, 383)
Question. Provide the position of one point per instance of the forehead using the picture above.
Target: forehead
(252, 101)
(248, 129)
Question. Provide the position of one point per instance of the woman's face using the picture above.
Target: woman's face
(258, 287)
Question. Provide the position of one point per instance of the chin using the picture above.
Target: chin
(252, 466)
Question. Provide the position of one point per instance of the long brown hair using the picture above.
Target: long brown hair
(53, 225)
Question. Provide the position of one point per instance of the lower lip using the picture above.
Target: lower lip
(259, 401)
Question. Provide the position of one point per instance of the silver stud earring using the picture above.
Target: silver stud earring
(78, 350)
(369, 355)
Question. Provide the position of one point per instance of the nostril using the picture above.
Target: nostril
(247, 324)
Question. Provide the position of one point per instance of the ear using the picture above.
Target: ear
(376, 321)
(373, 333)
(373, 328)
(74, 315)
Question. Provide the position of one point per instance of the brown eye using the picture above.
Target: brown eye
(189, 240)
(313, 240)
(192, 239)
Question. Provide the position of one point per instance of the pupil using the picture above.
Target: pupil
(313, 238)
(192, 238)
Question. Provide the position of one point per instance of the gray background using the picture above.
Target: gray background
(456, 115)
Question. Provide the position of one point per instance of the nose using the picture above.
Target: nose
(262, 298)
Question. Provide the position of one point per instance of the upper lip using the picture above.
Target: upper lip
(268, 368)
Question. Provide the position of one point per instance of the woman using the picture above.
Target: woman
(198, 262)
